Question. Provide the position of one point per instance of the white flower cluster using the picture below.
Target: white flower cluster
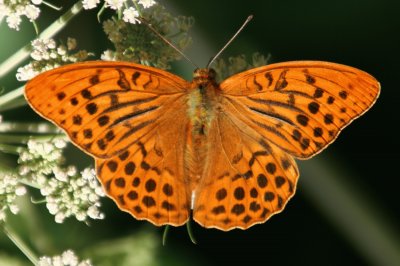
(40, 157)
(10, 189)
(47, 55)
(71, 194)
(67, 258)
(13, 10)
(67, 193)
(107, 55)
(130, 14)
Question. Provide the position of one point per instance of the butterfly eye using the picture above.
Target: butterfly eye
(211, 73)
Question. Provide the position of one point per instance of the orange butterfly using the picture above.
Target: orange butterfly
(165, 146)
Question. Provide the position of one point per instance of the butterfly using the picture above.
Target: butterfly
(165, 147)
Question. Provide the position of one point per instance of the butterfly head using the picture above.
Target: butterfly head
(204, 76)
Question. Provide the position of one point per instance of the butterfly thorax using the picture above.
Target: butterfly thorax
(202, 100)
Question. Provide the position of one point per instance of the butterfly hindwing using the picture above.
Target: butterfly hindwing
(147, 179)
(246, 180)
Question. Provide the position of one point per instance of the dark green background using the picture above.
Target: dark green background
(364, 34)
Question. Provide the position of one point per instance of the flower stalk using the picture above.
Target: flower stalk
(20, 244)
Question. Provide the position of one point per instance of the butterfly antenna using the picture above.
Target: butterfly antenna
(229, 42)
(145, 22)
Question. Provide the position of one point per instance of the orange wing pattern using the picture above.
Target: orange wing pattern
(266, 115)
(246, 179)
(300, 106)
(121, 114)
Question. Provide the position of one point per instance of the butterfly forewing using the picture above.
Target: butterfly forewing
(104, 106)
(300, 106)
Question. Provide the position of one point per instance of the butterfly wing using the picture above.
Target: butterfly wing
(265, 116)
(121, 113)
(301, 106)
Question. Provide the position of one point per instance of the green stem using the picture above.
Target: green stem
(36, 27)
(14, 60)
(20, 244)
(8, 138)
(52, 6)
(38, 128)
(16, 103)
(10, 149)
(12, 95)
(29, 183)
(137, 8)
(101, 12)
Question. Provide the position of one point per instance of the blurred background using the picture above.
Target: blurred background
(346, 210)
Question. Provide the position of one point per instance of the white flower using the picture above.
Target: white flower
(38, 44)
(13, 20)
(60, 174)
(131, 15)
(61, 50)
(4, 11)
(94, 213)
(36, 55)
(73, 194)
(85, 263)
(53, 55)
(39, 158)
(147, 3)
(14, 209)
(14, 9)
(71, 170)
(89, 4)
(10, 189)
(20, 191)
(52, 207)
(67, 258)
(80, 216)
(50, 43)
(108, 55)
(2, 215)
(71, 43)
(31, 12)
(114, 4)
(45, 261)
(59, 218)
(26, 73)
